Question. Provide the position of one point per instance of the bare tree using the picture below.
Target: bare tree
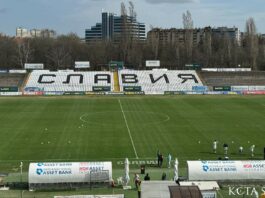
(8, 52)
(123, 9)
(59, 57)
(187, 20)
(252, 42)
(207, 46)
(188, 28)
(24, 52)
(133, 14)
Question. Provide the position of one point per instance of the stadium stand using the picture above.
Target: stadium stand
(159, 81)
(69, 81)
(232, 78)
(11, 80)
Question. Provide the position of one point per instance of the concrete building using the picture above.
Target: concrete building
(35, 33)
(114, 27)
(22, 32)
(173, 35)
(232, 33)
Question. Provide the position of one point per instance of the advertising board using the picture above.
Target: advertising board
(8, 89)
(69, 172)
(34, 66)
(152, 63)
(10, 93)
(3, 71)
(17, 71)
(254, 92)
(199, 88)
(74, 93)
(221, 88)
(132, 88)
(101, 88)
(134, 93)
(33, 93)
(82, 64)
(53, 93)
(226, 170)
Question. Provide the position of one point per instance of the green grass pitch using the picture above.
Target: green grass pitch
(112, 128)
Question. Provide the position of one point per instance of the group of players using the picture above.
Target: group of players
(225, 147)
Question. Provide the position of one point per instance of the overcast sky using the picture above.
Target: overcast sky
(66, 16)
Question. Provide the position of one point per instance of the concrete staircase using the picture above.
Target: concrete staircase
(116, 81)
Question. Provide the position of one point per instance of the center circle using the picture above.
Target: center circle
(117, 117)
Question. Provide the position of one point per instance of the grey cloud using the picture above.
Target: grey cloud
(170, 1)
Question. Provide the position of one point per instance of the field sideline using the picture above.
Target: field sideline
(112, 128)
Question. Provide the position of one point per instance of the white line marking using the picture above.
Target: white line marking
(82, 117)
(129, 131)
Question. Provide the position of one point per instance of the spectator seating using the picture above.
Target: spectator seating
(232, 78)
(69, 81)
(11, 80)
(159, 81)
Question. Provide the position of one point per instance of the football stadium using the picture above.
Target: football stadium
(74, 133)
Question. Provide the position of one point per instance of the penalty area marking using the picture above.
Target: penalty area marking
(128, 129)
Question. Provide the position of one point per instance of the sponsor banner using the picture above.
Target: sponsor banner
(82, 64)
(193, 93)
(10, 93)
(248, 88)
(3, 71)
(226, 69)
(213, 92)
(134, 93)
(233, 92)
(32, 89)
(174, 93)
(101, 88)
(33, 93)
(194, 66)
(132, 88)
(74, 93)
(152, 63)
(199, 88)
(8, 89)
(69, 172)
(226, 170)
(222, 88)
(256, 88)
(53, 93)
(254, 92)
(94, 93)
(115, 93)
(239, 88)
(34, 66)
(229, 93)
(21, 71)
(139, 162)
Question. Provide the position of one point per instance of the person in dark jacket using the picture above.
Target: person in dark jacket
(147, 177)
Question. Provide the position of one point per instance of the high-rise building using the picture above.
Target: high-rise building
(22, 33)
(114, 28)
(232, 33)
(35, 33)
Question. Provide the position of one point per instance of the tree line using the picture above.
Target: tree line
(63, 51)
